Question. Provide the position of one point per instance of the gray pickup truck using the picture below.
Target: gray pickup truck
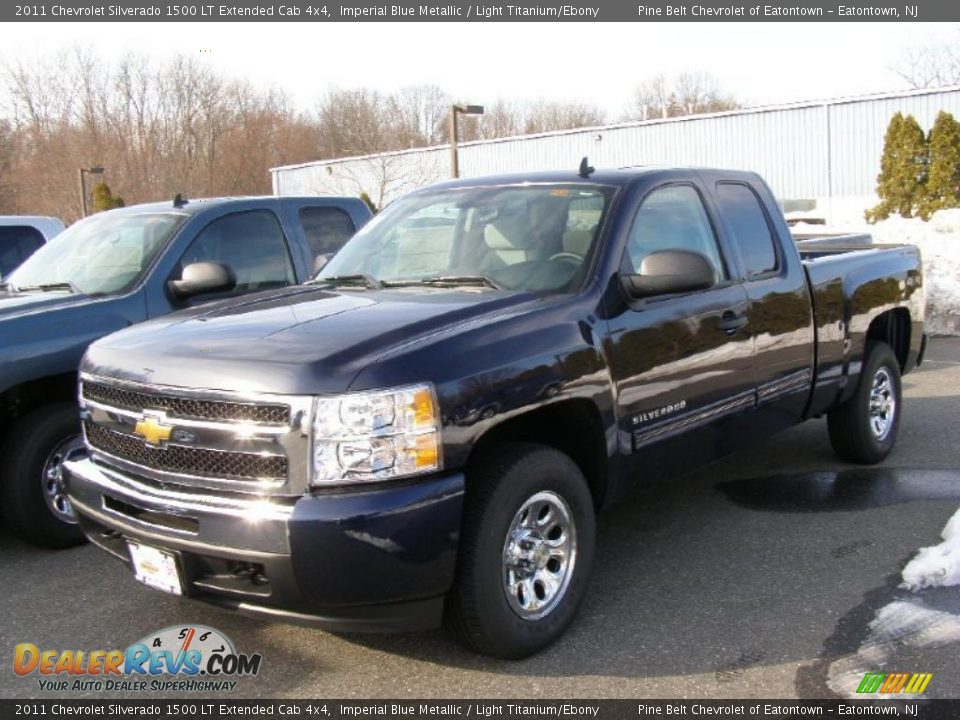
(110, 271)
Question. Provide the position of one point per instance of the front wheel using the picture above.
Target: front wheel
(35, 505)
(864, 429)
(526, 552)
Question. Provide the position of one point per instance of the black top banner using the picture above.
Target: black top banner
(463, 11)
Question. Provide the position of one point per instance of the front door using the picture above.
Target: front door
(681, 364)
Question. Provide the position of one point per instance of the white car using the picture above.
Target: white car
(21, 236)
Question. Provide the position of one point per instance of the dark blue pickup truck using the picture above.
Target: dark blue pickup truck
(426, 429)
(113, 270)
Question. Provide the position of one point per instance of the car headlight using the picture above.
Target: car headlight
(379, 435)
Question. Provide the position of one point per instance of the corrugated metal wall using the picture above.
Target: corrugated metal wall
(827, 149)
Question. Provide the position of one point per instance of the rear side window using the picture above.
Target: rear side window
(751, 231)
(17, 243)
(251, 244)
(673, 218)
(326, 228)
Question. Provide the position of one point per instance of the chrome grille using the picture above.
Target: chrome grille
(189, 408)
(193, 461)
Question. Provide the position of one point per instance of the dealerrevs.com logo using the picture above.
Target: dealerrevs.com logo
(177, 658)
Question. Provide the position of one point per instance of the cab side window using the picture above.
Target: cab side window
(326, 229)
(251, 244)
(751, 231)
(17, 243)
(672, 218)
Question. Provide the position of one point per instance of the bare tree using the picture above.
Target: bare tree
(544, 116)
(420, 114)
(8, 198)
(930, 66)
(691, 93)
(652, 99)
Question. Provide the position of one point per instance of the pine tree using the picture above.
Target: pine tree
(902, 169)
(368, 202)
(104, 199)
(942, 189)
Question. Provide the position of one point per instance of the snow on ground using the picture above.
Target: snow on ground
(907, 623)
(939, 243)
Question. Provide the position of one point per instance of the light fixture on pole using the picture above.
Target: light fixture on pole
(452, 120)
(81, 174)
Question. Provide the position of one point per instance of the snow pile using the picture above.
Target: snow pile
(939, 243)
(938, 565)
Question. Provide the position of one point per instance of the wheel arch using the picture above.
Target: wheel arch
(574, 427)
(20, 399)
(892, 327)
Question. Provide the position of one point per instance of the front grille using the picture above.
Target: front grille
(215, 410)
(192, 461)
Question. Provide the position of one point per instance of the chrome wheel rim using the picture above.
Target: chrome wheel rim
(883, 404)
(54, 493)
(539, 554)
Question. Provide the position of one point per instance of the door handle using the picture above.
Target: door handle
(730, 322)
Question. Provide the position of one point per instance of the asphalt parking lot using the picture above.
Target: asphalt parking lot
(759, 576)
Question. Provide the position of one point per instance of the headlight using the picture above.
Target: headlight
(377, 435)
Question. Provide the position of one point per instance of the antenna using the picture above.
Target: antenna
(179, 201)
(585, 169)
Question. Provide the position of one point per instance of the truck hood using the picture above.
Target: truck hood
(302, 340)
(17, 304)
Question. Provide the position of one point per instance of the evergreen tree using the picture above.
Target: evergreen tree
(942, 189)
(368, 202)
(902, 169)
(104, 199)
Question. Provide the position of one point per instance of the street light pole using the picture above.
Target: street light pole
(452, 129)
(81, 175)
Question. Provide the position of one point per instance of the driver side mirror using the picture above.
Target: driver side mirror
(667, 272)
(202, 277)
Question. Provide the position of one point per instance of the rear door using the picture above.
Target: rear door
(780, 314)
(681, 363)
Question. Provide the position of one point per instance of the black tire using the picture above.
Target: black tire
(24, 454)
(478, 611)
(852, 430)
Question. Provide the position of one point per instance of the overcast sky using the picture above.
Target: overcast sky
(594, 62)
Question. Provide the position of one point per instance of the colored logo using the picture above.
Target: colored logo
(152, 429)
(179, 651)
(890, 683)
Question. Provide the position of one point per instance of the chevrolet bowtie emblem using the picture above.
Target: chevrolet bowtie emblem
(152, 429)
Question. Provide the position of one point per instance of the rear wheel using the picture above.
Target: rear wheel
(525, 552)
(864, 429)
(35, 506)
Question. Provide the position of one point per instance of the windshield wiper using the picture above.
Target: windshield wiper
(482, 280)
(450, 281)
(46, 287)
(358, 279)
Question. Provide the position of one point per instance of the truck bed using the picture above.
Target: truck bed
(849, 283)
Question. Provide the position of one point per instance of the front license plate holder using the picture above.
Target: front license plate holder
(156, 568)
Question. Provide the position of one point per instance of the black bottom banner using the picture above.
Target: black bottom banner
(533, 709)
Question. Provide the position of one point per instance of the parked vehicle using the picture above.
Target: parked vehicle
(21, 236)
(110, 271)
(428, 428)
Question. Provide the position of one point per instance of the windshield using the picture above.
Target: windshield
(521, 237)
(103, 254)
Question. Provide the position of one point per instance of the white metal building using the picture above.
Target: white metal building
(825, 152)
